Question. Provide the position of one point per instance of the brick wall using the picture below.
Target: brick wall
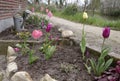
(9, 7)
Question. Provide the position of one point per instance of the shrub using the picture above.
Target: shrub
(52, 8)
(37, 21)
(34, 19)
(71, 10)
(113, 12)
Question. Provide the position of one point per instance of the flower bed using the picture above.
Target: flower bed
(62, 60)
(65, 65)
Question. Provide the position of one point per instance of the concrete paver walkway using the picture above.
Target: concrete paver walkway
(94, 34)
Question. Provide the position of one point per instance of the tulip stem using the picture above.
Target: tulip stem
(84, 25)
(103, 43)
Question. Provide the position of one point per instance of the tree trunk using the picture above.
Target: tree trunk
(48, 2)
(61, 3)
(84, 9)
(93, 12)
(56, 3)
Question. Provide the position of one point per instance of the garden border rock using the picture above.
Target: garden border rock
(11, 72)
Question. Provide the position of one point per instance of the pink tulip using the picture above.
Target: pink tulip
(36, 34)
(33, 10)
(50, 14)
(49, 26)
(47, 10)
(16, 49)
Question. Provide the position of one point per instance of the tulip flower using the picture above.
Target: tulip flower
(50, 14)
(16, 49)
(85, 16)
(47, 10)
(106, 32)
(49, 26)
(36, 34)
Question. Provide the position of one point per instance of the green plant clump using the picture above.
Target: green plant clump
(52, 8)
(34, 19)
(48, 49)
(101, 65)
(70, 10)
(32, 58)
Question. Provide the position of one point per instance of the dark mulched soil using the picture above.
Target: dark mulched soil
(10, 34)
(65, 57)
(58, 66)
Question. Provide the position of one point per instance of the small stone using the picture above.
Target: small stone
(67, 33)
(21, 76)
(47, 78)
(10, 51)
(11, 59)
(11, 69)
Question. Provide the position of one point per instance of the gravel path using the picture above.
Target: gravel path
(94, 34)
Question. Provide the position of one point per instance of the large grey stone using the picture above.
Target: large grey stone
(3, 76)
(11, 69)
(67, 33)
(21, 76)
(11, 59)
(47, 77)
(10, 51)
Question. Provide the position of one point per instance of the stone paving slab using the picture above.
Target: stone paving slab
(94, 35)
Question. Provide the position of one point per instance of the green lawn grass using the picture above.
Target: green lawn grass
(95, 20)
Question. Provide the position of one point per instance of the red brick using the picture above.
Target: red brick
(9, 7)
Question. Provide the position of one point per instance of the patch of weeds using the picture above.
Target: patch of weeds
(66, 67)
